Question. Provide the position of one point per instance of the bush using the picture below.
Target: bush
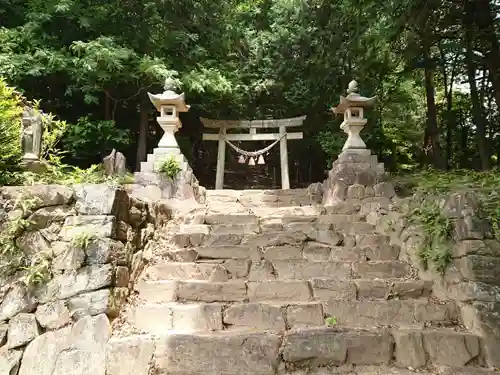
(93, 139)
(10, 132)
(169, 167)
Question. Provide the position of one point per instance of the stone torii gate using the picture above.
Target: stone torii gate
(224, 137)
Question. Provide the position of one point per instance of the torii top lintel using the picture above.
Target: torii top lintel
(233, 124)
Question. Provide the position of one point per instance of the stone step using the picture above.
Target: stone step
(260, 198)
(312, 251)
(274, 233)
(288, 269)
(272, 316)
(399, 313)
(316, 288)
(280, 315)
(318, 351)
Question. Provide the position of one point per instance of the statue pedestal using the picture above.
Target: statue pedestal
(34, 165)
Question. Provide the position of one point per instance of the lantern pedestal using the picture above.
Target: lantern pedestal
(352, 128)
(356, 175)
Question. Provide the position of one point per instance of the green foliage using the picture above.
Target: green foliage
(82, 240)
(436, 247)
(10, 132)
(331, 321)
(87, 138)
(169, 167)
(437, 228)
(34, 267)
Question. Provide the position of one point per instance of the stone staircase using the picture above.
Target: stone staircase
(271, 282)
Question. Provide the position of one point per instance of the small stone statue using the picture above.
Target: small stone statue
(115, 164)
(31, 135)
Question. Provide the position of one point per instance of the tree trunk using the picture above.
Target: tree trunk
(431, 141)
(477, 107)
(485, 22)
(143, 135)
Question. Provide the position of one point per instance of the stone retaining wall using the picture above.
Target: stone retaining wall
(48, 328)
(472, 279)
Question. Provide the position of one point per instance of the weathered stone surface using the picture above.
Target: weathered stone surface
(228, 252)
(409, 349)
(122, 276)
(157, 292)
(305, 315)
(219, 274)
(32, 243)
(17, 300)
(459, 204)
(22, 329)
(92, 303)
(317, 347)
(84, 280)
(77, 350)
(465, 370)
(356, 191)
(45, 216)
(180, 271)
(372, 289)
(67, 256)
(411, 289)
(211, 291)
(476, 247)
(479, 268)
(327, 236)
(346, 207)
(381, 269)
(237, 268)
(326, 346)
(221, 229)
(384, 189)
(99, 226)
(261, 271)
(366, 348)
(214, 218)
(315, 251)
(282, 252)
(266, 240)
(470, 228)
(279, 291)
(102, 199)
(106, 250)
(392, 312)
(10, 361)
(236, 353)
(326, 289)
(484, 318)
(3, 333)
(53, 315)
(46, 195)
(255, 315)
(451, 348)
(303, 269)
(130, 355)
(160, 319)
(347, 252)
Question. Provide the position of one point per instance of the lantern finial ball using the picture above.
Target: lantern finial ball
(353, 87)
(170, 84)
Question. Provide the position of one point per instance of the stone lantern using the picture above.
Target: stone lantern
(169, 104)
(354, 121)
(149, 182)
